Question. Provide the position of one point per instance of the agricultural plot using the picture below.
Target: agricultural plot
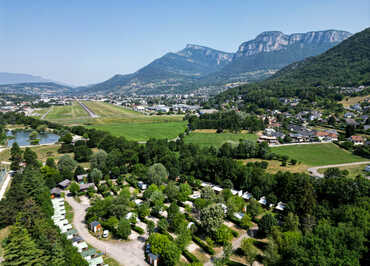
(205, 139)
(144, 131)
(318, 154)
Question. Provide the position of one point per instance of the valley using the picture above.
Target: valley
(255, 156)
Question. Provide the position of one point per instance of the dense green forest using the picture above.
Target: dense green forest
(347, 64)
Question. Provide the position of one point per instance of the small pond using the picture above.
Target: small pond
(22, 137)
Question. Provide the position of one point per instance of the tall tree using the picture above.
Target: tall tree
(22, 250)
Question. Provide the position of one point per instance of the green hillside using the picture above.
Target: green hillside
(347, 64)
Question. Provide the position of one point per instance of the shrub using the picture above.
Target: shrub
(203, 245)
(138, 229)
(189, 256)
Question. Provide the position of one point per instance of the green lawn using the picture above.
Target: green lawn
(318, 154)
(144, 131)
(74, 111)
(217, 139)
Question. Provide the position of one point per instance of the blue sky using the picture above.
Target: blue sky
(83, 42)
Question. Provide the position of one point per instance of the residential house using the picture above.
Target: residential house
(64, 184)
(95, 227)
(55, 192)
(357, 140)
(84, 187)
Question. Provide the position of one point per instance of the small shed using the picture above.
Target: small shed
(95, 227)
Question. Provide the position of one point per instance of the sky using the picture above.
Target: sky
(85, 42)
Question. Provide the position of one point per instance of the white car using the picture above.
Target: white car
(105, 233)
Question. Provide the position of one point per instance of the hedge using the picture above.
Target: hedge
(189, 256)
(138, 229)
(235, 233)
(203, 245)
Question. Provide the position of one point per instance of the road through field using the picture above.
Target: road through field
(129, 253)
(314, 170)
(44, 115)
(91, 113)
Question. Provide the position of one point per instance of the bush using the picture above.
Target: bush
(203, 245)
(189, 256)
(138, 229)
(235, 233)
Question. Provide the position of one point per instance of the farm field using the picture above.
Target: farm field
(318, 154)
(143, 131)
(205, 139)
(66, 112)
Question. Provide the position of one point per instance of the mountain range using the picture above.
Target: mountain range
(14, 78)
(347, 64)
(198, 66)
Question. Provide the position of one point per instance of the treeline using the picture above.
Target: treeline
(27, 209)
(325, 221)
(232, 121)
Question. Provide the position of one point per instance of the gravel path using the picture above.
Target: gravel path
(314, 170)
(129, 253)
(5, 185)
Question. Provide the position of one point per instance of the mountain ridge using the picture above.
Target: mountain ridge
(196, 66)
(347, 64)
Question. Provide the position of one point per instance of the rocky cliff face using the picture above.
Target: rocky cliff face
(198, 66)
(271, 41)
(205, 54)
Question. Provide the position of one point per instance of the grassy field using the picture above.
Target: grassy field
(354, 170)
(206, 139)
(67, 112)
(348, 101)
(318, 154)
(275, 166)
(144, 131)
(119, 121)
(44, 152)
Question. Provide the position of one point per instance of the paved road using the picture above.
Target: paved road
(302, 143)
(91, 113)
(314, 170)
(129, 253)
(44, 115)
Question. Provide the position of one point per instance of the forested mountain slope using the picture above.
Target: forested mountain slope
(347, 64)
